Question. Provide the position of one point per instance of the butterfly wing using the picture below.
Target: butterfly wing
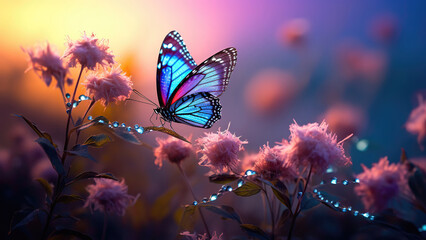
(211, 76)
(174, 64)
(198, 110)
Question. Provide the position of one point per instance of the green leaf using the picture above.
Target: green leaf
(67, 234)
(167, 131)
(97, 140)
(98, 121)
(69, 198)
(88, 175)
(254, 231)
(35, 215)
(281, 192)
(285, 216)
(247, 189)
(224, 211)
(46, 186)
(308, 202)
(188, 220)
(223, 178)
(82, 151)
(417, 183)
(50, 150)
(126, 135)
(37, 131)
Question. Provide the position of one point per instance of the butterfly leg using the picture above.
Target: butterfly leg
(150, 119)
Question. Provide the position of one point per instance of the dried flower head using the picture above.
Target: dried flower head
(47, 64)
(312, 145)
(171, 149)
(109, 196)
(380, 184)
(108, 86)
(220, 150)
(88, 51)
(416, 123)
(195, 236)
(272, 163)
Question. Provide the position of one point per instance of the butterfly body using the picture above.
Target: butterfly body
(188, 93)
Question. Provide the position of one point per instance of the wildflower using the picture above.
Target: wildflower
(273, 164)
(380, 184)
(344, 119)
(109, 196)
(88, 51)
(171, 149)
(294, 32)
(416, 123)
(220, 150)
(269, 90)
(108, 86)
(311, 145)
(195, 236)
(47, 64)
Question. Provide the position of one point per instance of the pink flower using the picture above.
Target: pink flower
(273, 164)
(195, 236)
(171, 149)
(46, 63)
(220, 150)
(108, 86)
(88, 51)
(109, 196)
(312, 145)
(380, 184)
(270, 90)
(294, 32)
(416, 123)
(344, 119)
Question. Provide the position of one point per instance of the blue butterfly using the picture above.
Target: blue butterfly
(188, 93)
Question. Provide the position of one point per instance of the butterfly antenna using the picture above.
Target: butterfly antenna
(143, 96)
(134, 100)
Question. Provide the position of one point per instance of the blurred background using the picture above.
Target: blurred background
(360, 65)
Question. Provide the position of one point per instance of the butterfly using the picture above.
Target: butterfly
(188, 93)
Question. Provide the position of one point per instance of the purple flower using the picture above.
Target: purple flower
(312, 145)
(47, 64)
(271, 163)
(171, 149)
(108, 86)
(88, 51)
(109, 196)
(380, 184)
(195, 236)
(220, 150)
(416, 123)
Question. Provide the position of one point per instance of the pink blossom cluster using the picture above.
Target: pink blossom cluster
(416, 123)
(171, 149)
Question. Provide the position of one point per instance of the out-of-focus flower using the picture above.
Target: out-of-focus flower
(171, 149)
(195, 236)
(43, 169)
(359, 62)
(109, 196)
(272, 163)
(108, 86)
(344, 120)
(248, 161)
(220, 150)
(311, 145)
(47, 64)
(416, 123)
(384, 28)
(4, 163)
(270, 90)
(294, 32)
(88, 51)
(380, 184)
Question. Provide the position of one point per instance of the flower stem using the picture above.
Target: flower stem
(296, 211)
(69, 117)
(84, 117)
(195, 198)
(271, 212)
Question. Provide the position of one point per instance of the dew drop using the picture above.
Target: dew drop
(229, 189)
(204, 200)
(371, 217)
(333, 181)
(250, 172)
(343, 209)
(115, 124)
(195, 203)
(109, 125)
(136, 126)
(68, 111)
(345, 182)
(362, 145)
(129, 129)
(315, 190)
(75, 104)
(123, 125)
(349, 208)
(69, 104)
(140, 130)
(356, 213)
(67, 95)
(82, 98)
(223, 188)
(213, 197)
(322, 183)
(356, 180)
(337, 204)
(366, 215)
(101, 121)
(240, 183)
(90, 118)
